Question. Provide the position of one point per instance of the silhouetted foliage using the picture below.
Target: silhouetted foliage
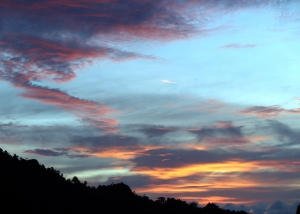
(29, 187)
(298, 209)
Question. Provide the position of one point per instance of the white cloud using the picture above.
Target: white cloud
(168, 81)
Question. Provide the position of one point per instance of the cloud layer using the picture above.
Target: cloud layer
(187, 147)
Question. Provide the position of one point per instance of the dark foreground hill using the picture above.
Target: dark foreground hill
(29, 187)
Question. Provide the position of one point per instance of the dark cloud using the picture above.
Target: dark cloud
(79, 156)
(45, 152)
(6, 124)
(49, 46)
(157, 131)
(8, 133)
(104, 141)
(220, 130)
(49, 39)
(183, 157)
(55, 152)
(89, 18)
(284, 133)
(273, 177)
(288, 158)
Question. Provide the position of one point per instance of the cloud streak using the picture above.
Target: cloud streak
(168, 81)
(268, 111)
(49, 40)
(193, 149)
(237, 46)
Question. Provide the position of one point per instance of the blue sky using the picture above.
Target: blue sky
(190, 99)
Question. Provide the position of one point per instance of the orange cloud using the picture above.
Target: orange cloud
(202, 183)
(188, 170)
(118, 152)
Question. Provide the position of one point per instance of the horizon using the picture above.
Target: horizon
(277, 206)
(190, 99)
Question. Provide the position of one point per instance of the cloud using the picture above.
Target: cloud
(278, 207)
(45, 152)
(6, 124)
(209, 106)
(180, 157)
(221, 129)
(156, 131)
(100, 142)
(49, 49)
(56, 152)
(79, 156)
(237, 46)
(168, 81)
(269, 111)
(87, 111)
(284, 133)
(8, 133)
(49, 40)
(107, 146)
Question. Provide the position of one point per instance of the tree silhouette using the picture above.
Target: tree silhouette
(298, 209)
(161, 200)
(29, 187)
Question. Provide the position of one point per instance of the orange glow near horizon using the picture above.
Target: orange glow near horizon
(218, 199)
(168, 173)
(201, 179)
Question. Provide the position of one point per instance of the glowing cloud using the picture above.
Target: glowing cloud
(168, 81)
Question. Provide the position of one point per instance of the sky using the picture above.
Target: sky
(192, 99)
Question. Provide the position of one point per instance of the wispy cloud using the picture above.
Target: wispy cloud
(56, 152)
(237, 46)
(168, 81)
(268, 111)
(49, 40)
(46, 152)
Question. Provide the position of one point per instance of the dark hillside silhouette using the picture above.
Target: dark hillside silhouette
(298, 209)
(29, 187)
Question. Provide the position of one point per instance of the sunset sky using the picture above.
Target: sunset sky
(192, 99)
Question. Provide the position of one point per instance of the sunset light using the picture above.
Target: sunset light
(193, 99)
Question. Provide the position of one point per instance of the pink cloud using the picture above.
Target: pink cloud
(49, 40)
(237, 46)
(90, 112)
(266, 112)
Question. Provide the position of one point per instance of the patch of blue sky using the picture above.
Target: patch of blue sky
(202, 68)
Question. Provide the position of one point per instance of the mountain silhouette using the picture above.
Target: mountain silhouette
(29, 187)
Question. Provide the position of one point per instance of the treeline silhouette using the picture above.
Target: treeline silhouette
(29, 187)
